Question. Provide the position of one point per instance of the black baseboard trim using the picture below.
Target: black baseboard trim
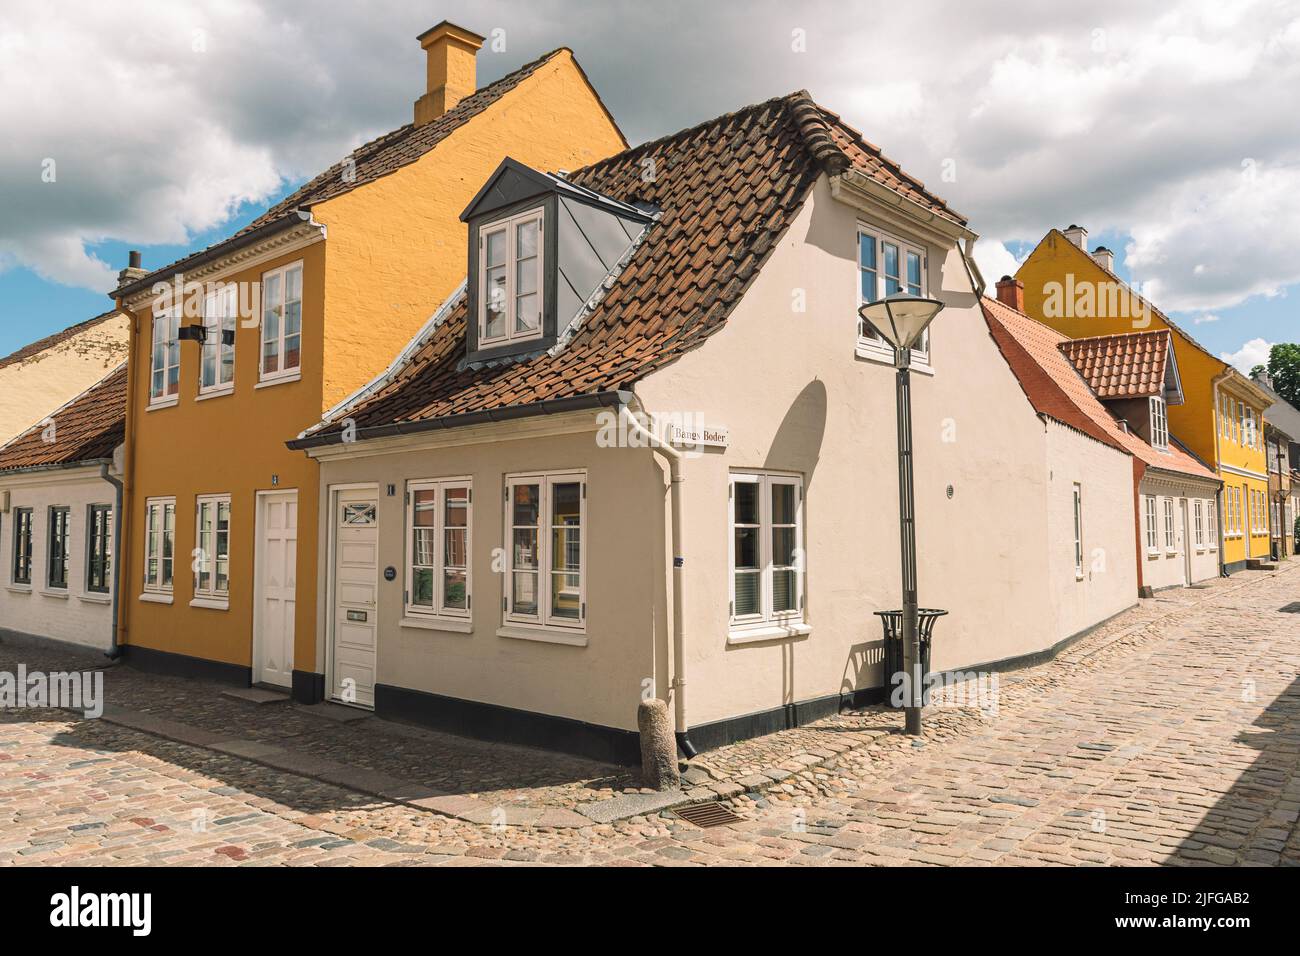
(1034, 658)
(1234, 567)
(731, 730)
(470, 718)
(153, 661)
(308, 687)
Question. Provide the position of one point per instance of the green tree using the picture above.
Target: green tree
(1284, 367)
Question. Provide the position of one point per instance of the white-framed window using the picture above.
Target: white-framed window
(1198, 509)
(56, 551)
(1159, 423)
(1239, 422)
(510, 279)
(165, 362)
(1248, 427)
(1170, 536)
(282, 322)
(160, 543)
(217, 359)
(546, 516)
(1276, 511)
(767, 572)
(886, 266)
(438, 526)
(1078, 530)
(212, 553)
(1152, 525)
(99, 549)
(1213, 515)
(1225, 414)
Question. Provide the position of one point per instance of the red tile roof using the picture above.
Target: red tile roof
(87, 429)
(1129, 365)
(1057, 390)
(35, 348)
(726, 191)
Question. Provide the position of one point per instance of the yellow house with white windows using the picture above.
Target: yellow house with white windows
(235, 349)
(1221, 420)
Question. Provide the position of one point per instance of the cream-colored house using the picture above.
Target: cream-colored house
(60, 513)
(510, 554)
(46, 374)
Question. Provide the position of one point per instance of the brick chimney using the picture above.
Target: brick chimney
(451, 52)
(1077, 235)
(1012, 292)
(1104, 258)
(133, 269)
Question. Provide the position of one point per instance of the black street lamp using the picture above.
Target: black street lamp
(901, 320)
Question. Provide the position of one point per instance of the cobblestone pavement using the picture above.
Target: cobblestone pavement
(1171, 735)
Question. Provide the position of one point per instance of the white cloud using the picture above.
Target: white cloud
(1255, 352)
(1129, 119)
(1205, 319)
(995, 260)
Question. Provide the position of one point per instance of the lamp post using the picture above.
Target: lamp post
(901, 320)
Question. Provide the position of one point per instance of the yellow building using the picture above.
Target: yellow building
(238, 348)
(1221, 420)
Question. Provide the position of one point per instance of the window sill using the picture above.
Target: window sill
(279, 380)
(19, 588)
(455, 625)
(54, 593)
(212, 604)
(1153, 555)
(94, 599)
(547, 635)
(215, 393)
(163, 403)
(768, 632)
(885, 356)
(156, 597)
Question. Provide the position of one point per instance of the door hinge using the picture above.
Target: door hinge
(503, 604)
(584, 610)
(469, 601)
(406, 597)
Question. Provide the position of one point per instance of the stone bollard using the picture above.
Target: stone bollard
(658, 746)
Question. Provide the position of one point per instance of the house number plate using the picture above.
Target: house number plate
(359, 616)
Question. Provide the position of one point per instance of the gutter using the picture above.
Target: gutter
(608, 399)
(674, 458)
(219, 251)
(114, 652)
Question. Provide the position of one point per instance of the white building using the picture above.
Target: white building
(60, 485)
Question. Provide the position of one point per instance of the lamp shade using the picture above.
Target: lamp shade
(901, 319)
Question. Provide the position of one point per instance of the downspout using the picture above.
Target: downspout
(1139, 520)
(1216, 421)
(674, 458)
(125, 488)
(105, 472)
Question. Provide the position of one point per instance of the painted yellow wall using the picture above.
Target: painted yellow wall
(1196, 422)
(395, 249)
(231, 444)
(34, 387)
(397, 246)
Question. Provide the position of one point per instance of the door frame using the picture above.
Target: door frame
(1185, 510)
(259, 557)
(331, 572)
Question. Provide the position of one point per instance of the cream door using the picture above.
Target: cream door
(356, 597)
(276, 587)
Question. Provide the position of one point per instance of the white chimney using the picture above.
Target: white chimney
(1078, 235)
(1104, 258)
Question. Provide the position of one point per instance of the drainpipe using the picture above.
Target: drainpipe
(674, 458)
(121, 544)
(105, 472)
(1220, 498)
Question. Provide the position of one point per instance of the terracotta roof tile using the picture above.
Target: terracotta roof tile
(86, 429)
(726, 190)
(1129, 365)
(1057, 390)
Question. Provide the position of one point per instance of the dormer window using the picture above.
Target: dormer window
(541, 249)
(511, 279)
(1159, 423)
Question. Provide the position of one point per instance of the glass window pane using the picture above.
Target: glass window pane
(746, 548)
(454, 548)
(454, 591)
(293, 284)
(526, 507)
(422, 587)
(524, 592)
(747, 593)
(422, 548)
(527, 318)
(746, 502)
(783, 590)
(292, 358)
(783, 545)
(524, 553)
(456, 514)
(525, 276)
(424, 512)
(891, 259)
(866, 251)
(783, 501)
(566, 596)
(868, 286)
(496, 248)
(914, 269)
(527, 234)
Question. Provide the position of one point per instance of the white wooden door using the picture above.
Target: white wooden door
(276, 587)
(356, 597)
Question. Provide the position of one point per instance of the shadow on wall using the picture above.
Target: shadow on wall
(797, 444)
(1254, 823)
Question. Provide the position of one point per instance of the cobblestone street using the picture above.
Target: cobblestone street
(1171, 735)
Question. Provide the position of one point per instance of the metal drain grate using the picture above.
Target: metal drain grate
(1293, 608)
(707, 815)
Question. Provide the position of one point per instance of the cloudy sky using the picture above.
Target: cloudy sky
(1170, 130)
